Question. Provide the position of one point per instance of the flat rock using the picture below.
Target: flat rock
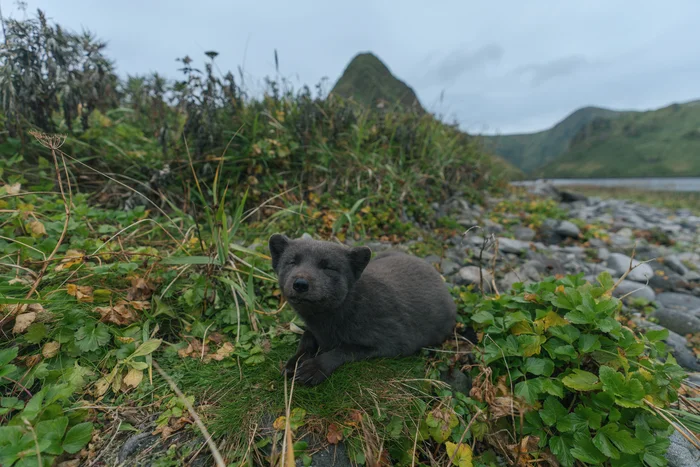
(448, 267)
(678, 301)
(524, 234)
(635, 289)
(568, 229)
(674, 263)
(681, 453)
(470, 275)
(678, 321)
(508, 245)
(621, 263)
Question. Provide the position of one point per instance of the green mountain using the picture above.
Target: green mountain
(368, 81)
(529, 151)
(663, 142)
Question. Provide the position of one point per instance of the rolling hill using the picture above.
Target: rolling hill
(530, 151)
(368, 81)
(658, 143)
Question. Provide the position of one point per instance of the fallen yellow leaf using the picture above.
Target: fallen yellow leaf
(133, 378)
(36, 228)
(23, 321)
(50, 349)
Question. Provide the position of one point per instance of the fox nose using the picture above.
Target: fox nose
(301, 285)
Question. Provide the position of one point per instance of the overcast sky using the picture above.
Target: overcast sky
(504, 66)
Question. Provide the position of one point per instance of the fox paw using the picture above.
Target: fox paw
(310, 372)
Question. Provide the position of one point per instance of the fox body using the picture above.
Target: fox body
(355, 308)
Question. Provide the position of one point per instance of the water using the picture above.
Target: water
(653, 184)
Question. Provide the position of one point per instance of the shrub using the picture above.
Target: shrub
(560, 375)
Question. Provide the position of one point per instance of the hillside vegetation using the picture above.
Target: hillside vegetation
(530, 151)
(368, 81)
(660, 143)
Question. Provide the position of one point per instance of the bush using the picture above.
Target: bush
(560, 375)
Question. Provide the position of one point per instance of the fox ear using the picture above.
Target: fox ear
(359, 259)
(277, 244)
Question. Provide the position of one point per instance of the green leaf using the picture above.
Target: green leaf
(567, 333)
(483, 317)
(603, 443)
(539, 366)
(530, 345)
(529, 390)
(593, 418)
(90, 337)
(606, 281)
(77, 437)
(52, 431)
(553, 387)
(147, 348)
(608, 324)
(7, 355)
(573, 423)
(33, 407)
(654, 336)
(560, 447)
(589, 343)
(192, 260)
(35, 333)
(580, 380)
(585, 451)
(623, 439)
(513, 318)
(566, 351)
(552, 411)
(627, 393)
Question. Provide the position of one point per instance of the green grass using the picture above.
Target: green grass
(388, 385)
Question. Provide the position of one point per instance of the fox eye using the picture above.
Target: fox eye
(324, 265)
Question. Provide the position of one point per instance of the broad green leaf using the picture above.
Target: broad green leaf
(603, 443)
(539, 366)
(33, 407)
(7, 355)
(483, 317)
(461, 454)
(588, 343)
(654, 336)
(514, 318)
(560, 447)
(585, 451)
(52, 431)
(605, 280)
(147, 348)
(567, 333)
(623, 439)
(530, 345)
(529, 390)
(77, 437)
(553, 387)
(572, 423)
(552, 411)
(566, 351)
(91, 337)
(608, 324)
(580, 380)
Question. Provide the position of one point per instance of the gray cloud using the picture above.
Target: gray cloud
(542, 72)
(524, 66)
(463, 60)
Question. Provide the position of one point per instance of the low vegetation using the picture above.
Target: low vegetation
(137, 295)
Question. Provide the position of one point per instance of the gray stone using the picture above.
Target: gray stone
(667, 281)
(678, 344)
(525, 234)
(621, 263)
(678, 321)
(692, 276)
(681, 453)
(493, 227)
(448, 267)
(508, 245)
(568, 229)
(548, 232)
(678, 301)
(635, 289)
(603, 254)
(530, 272)
(469, 275)
(676, 265)
(619, 241)
(432, 259)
